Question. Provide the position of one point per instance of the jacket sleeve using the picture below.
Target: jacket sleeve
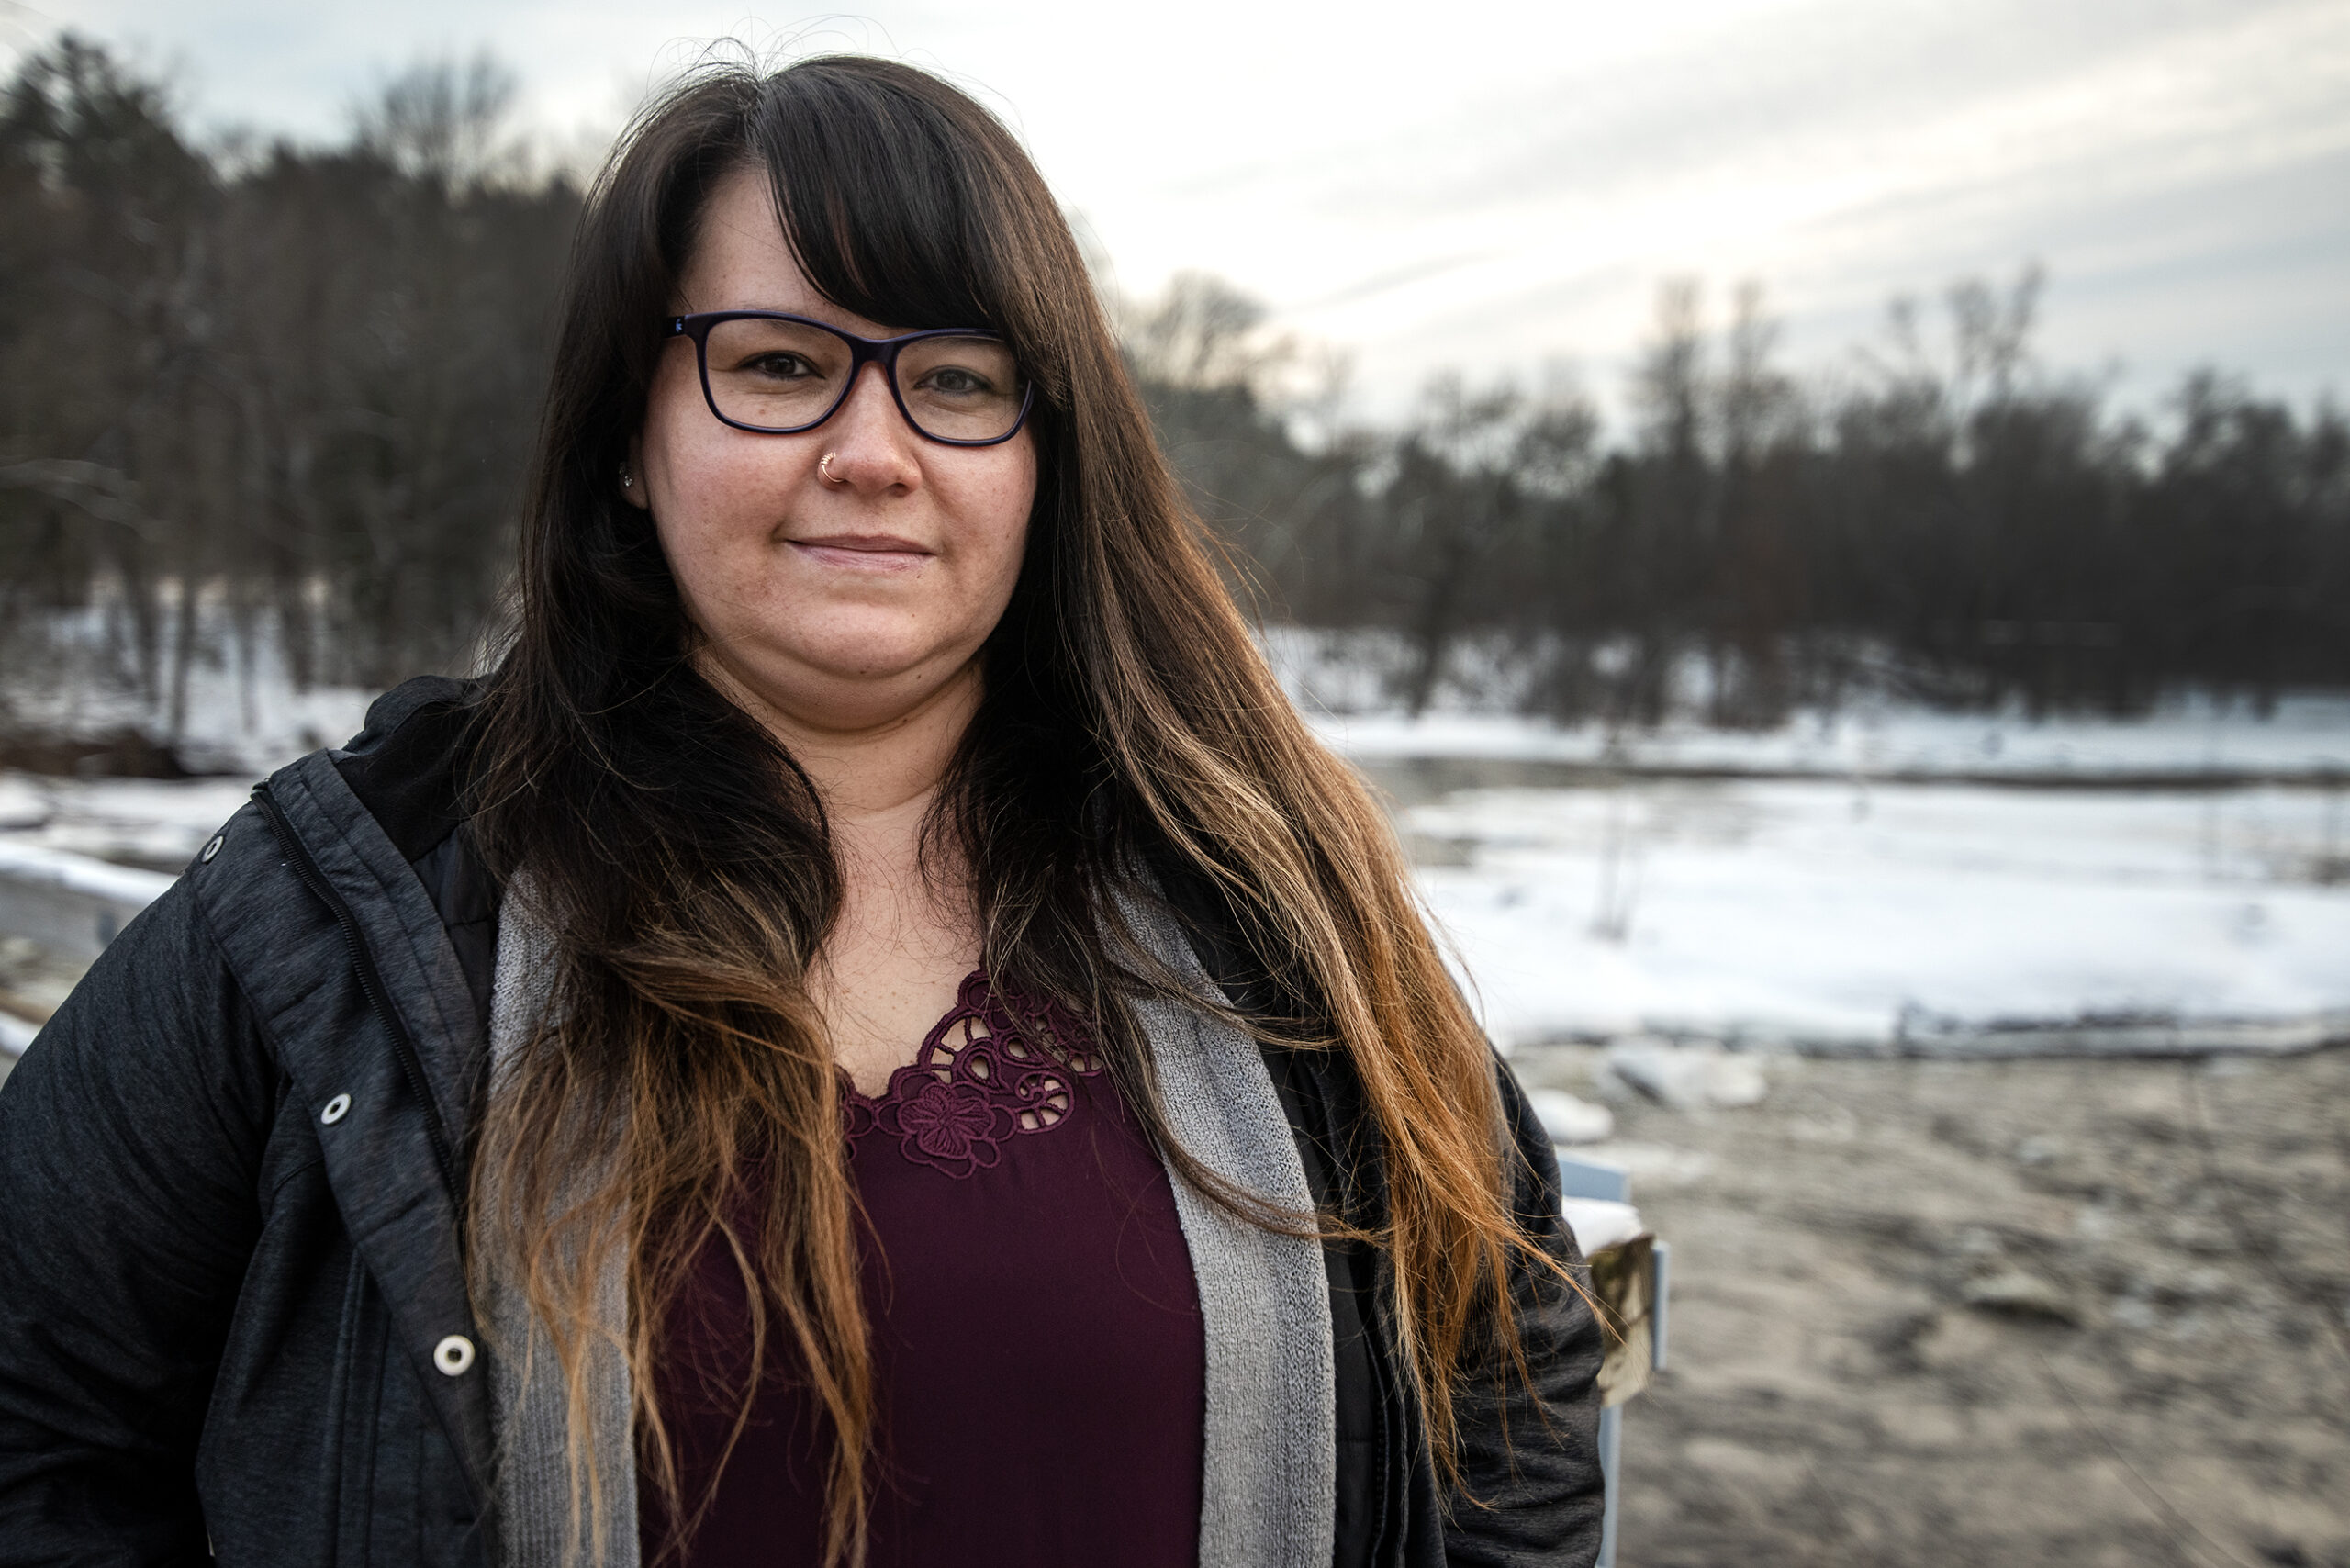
(1530, 1488)
(131, 1137)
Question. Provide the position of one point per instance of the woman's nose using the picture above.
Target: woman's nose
(871, 445)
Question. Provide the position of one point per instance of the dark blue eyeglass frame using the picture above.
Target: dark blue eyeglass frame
(882, 351)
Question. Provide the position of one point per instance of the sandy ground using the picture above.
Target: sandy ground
(2170, 1384)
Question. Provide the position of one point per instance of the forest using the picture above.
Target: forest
(296, 384)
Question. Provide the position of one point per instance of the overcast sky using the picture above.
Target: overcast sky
(1500, 186)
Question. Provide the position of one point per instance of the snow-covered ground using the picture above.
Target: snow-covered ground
(1833, 914)
(1872, 877)
(152, 823)
(237, 708)
(2308, 738)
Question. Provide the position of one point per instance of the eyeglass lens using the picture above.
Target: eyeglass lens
(784, 376)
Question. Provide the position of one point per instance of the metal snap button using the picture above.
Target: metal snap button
(213, 848)
(335, 1110)
(453, 1355)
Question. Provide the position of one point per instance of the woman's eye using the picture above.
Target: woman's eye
(955, 381)
(779, 366)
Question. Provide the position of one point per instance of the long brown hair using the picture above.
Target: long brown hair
(688, 1093)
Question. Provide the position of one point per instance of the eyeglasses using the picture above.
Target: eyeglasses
(779, 374)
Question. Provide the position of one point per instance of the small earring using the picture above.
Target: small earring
(628, 480)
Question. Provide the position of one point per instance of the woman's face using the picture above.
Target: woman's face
(843, 598)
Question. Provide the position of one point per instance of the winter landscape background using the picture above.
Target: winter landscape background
(1891, 804)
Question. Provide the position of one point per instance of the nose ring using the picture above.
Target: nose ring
(824, 470)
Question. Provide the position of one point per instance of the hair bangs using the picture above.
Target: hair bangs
(879, 192)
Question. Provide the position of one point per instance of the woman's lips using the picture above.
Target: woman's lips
(864, 552)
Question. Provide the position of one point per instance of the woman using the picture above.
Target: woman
(875, 1033)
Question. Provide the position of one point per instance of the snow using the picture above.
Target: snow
(2309, 736)
(1879, 875)
(22, 803)
(1789, 913)
(242, 712)
(1599, 1223)
(158, 825)
(36, 866)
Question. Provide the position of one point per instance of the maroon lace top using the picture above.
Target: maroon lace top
(1039, 1367)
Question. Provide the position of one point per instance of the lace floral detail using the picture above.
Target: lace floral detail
(992, 1069)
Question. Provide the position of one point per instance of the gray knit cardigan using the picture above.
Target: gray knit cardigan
(1268, 1462)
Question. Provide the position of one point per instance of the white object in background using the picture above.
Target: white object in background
(1570, 1120)
(21, 805)
(34, 865)
(1599, 1223)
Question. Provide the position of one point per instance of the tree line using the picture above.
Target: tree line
(1945, 520)
(298, 380)
(296, 385)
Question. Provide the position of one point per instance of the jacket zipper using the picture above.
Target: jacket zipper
(371, 981)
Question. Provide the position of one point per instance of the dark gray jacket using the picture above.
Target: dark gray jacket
(218, 1311)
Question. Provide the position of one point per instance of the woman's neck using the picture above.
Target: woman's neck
(906, 933)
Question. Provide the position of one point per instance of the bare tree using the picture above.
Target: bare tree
(441, 122)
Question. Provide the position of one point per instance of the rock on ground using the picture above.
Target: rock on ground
(1569, 1118)
(1687, 1077)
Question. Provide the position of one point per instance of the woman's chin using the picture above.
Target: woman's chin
(851, 686)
